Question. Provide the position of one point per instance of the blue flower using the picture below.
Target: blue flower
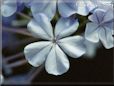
(101, 27)
(9, 7)
(51, 52)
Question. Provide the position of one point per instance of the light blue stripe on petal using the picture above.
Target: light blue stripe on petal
(57, 62)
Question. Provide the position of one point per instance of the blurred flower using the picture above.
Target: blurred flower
(101, 27)
(44, 6)
(9, 7)
(69, 7)
(103, 2)
(82, 7)
(51, 52)
(1, 79)
(7, 22)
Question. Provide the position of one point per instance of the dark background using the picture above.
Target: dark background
(98, 69)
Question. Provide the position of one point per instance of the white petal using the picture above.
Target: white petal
(66, 8)
(8, 7)
(57, 62)
(37, 52)
(45, 6)
(73, 46)
(105, 35)
(66, 27)
(91, 32)
(41, 28)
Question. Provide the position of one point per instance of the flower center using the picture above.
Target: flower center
(54, 40)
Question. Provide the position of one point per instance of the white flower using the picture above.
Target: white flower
(101, 27)
(51, 52)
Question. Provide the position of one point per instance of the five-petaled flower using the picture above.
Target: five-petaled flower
(101, 27)
(51, 52)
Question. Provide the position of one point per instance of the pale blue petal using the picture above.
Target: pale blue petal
(102, 14)
(41, 28)
(65, 27)
(57, 62)
(66, 7)
(109, 14)
(73, 46)
(36, 53)
(45, 6)
(109, 24)
(84, 7)
(98, 16)
(105, 35)
(91, 32)
(8, 7)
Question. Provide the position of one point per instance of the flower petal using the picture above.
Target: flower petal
(57, 62)
(105, 35)
(102, 15)
(73, 46)
(84, 7)
(91, 32)
(109, 14)
(8, 7)
(45, 6)
(98, 16)
(66, 7)
(41, 28)
(37, 52)
(65, 27)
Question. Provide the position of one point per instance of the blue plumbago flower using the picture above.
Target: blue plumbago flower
(51, 52)
(101, 27)
(9, 7)
(65, 7)
(69, 7)
(83, 7)
(44, 6)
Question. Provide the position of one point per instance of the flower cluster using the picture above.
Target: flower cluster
(58, 42)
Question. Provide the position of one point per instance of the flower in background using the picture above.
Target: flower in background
(51, 52)
(69, 7)
(101, 27)
(44, 6)
(82, 7)
(9, 7)
(103, 2)
(1, 79)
